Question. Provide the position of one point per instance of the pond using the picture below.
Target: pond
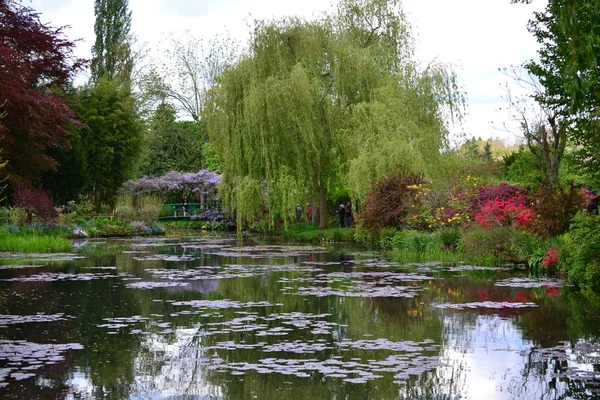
(204, 318)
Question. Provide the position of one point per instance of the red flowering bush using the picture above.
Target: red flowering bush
(502, 191)
(502, 205)
(550, 259)
(509, 212)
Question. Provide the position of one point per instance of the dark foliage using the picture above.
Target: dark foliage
(36, 65)
(35, 202)
(553, 209)
(389, 201)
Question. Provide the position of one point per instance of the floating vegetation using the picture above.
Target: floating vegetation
(61, 276)
(37, 318)
(381, 277)
(412, 360)
(357, 284)
(154, 285)
(530, 283)
(20, 359)
(167, 257)
(182, 343)
(261, 252)
(221, 304)
(20, 266)
(484, 304)
(463, 268)
(228, 271)
(43, 257)
(360, 290)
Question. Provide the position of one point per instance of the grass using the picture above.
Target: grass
(29, 243)
(312, 233)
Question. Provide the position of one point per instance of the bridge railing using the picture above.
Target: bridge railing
(182, 210)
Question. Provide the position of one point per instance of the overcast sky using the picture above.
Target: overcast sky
(477, 36)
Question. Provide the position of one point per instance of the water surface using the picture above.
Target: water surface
(204, 318)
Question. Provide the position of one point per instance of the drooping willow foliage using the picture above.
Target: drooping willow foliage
(317, 104)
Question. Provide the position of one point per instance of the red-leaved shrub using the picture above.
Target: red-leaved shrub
(38, 203)
(389, 201)
(553, 208)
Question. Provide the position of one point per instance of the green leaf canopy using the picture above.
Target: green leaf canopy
(317, 104)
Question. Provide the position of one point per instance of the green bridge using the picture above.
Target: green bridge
(183, 211)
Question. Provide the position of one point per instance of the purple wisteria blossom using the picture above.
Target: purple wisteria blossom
(203, 182)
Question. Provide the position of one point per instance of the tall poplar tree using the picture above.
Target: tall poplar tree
(312, 101)
(111, 51)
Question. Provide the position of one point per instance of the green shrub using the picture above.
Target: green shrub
(449, 238)
(17, 216)
(500, 244)
(384, 237)
(337, 235)
(83, 207)
(414, 241)
(582, 249)
(4, 215)
(362, 236)
(535, 263)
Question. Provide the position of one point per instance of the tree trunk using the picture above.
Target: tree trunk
(323, 217)
(316, 208)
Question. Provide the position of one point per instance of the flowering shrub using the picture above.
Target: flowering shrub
(434, 209)
(588, 196)
(551, 258)
(215, 220)
(509, 212)
(203, 182)
(502, 192)
(467, 201)
(544, 261)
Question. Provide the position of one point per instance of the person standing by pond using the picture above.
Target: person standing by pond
(309, 212)
(299, 212)
(348, 215)
(342, 214)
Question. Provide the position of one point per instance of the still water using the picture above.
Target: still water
(204, 318)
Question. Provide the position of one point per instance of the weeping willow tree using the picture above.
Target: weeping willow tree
(312, 104)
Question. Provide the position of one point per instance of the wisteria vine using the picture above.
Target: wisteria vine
(203, 182)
